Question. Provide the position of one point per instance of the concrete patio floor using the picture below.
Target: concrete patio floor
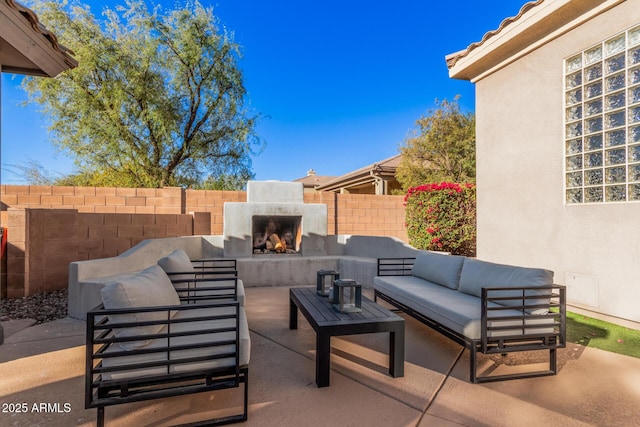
(44, 364)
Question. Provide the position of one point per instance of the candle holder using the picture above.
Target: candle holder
(324, 280)
(347, 296)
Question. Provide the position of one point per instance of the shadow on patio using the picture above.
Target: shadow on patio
(45, 364)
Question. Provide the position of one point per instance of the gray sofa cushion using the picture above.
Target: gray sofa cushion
(149, 288)
(477, 274)
(177, 262)
(438, 268)
(457, 311)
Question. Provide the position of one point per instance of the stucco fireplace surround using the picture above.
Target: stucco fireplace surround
(282, 203)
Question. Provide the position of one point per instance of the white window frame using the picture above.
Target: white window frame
(601, 99)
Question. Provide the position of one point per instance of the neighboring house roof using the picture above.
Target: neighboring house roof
(27, 47)
(382, 169)
(312, 180)
(537, 23)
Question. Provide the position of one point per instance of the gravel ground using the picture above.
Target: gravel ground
(42, 307)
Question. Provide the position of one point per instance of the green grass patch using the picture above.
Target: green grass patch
(596, 333)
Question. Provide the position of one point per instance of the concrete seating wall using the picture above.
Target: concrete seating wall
(355, 257)
(86, 278)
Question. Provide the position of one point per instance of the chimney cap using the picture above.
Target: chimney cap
(311, 172)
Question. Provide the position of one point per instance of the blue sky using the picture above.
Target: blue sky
(340, 82)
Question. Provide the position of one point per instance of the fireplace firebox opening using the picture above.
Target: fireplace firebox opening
(276, 234)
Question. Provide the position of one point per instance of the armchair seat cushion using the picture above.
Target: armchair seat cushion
(156, 352)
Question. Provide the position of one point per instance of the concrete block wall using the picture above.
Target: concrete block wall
(212, 202)
(363, 214)
(42, 242)
(94, 199)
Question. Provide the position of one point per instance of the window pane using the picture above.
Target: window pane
(634, 115)
(617, 137)
(593, 160)
(574, 129)
(574, 163)
(615, 119)
(593, 90)
(594, 142)
(614, 101)
(594, 107)
(593, 55)
(575, 96)
(574, 195)
(593, 195)
(574, 63)
(634, 153)
(616, 157)
(634, 95)
(574, 146)
(574, 113)
(614, 64)
(614, 45)
(634, 76)
(616, 193)
(574, 80)
(615, 82)
(634, 192)
(634, 36)
(634, 56)
(574, 179)
(634, 134)
(594, 72)
(615, 175)
(595, 124)
(594, 177)
(634, 173)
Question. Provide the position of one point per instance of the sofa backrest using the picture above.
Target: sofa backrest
(477, 274)
(438, 268)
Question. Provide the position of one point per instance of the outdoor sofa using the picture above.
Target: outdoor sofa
(486, 307)
(155, 337)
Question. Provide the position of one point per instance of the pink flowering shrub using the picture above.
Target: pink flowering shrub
(442, 217)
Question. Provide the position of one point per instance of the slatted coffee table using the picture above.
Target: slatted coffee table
(329, 322)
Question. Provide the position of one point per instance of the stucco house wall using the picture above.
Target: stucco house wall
(522, 216)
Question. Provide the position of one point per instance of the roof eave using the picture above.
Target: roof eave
(362, 175)
(345, 181)
(538, 23)
(41, 53)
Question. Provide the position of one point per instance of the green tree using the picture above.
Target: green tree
(440, 148)
(158, 98)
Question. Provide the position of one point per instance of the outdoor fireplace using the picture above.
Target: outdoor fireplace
(274, 221)
(276, 234)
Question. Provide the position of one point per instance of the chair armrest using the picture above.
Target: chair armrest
(395, 266)
(523, 318)
(202, 337)
(211, 279)
(193, 289)
(215, 264)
